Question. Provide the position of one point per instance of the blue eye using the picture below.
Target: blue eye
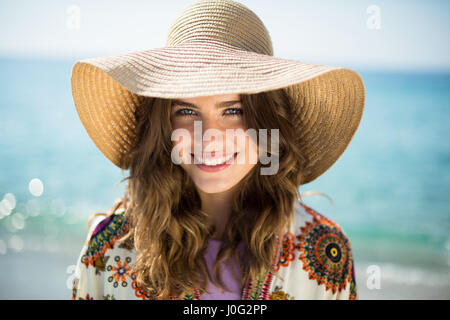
(181, 113)
(238, 111)
(185, 112)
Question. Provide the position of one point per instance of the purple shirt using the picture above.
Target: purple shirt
(214, 293)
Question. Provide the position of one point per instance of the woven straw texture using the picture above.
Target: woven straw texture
(217, 47)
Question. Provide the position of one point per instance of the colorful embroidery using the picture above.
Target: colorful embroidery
(101, 225)
(287, 254)
(353, 289)
(323, 249)
(278, 294)
(188, 296)
(246, 290)
(103, 238)
(325, 252)
(74, 288)
(259, 291)
(139, 291)
(255, 289)
(121, 271)
(195, 295)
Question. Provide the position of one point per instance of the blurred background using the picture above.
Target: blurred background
(390, 189)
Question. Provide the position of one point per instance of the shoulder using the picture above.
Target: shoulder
(106, 231)
(317, 250)
(104, 261)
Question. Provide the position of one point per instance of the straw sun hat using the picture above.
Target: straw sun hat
(217, 47)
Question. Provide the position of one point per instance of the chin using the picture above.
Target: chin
(214, 187)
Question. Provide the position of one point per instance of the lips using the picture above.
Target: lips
(217, 159)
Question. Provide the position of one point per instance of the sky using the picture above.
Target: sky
(378, 35)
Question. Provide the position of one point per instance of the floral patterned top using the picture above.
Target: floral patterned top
(314, 261)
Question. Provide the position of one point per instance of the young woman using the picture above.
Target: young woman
(218, 135)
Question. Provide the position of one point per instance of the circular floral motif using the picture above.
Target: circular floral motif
(120, 272)
(324, 251)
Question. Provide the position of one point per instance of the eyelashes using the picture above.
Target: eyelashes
(236, 112)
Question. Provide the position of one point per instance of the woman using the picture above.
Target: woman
(218, 135)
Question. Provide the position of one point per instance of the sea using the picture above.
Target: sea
(389, 191)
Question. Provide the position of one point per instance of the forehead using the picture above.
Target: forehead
(206, 100)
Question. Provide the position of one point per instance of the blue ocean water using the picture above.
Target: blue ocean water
(390, 188)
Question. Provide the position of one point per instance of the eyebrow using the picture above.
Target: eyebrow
(218, 105)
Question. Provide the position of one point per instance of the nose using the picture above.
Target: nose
(210, 121)
(212, 134)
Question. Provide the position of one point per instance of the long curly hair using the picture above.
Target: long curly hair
(167, 227)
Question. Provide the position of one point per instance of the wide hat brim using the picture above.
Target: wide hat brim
(328, 101)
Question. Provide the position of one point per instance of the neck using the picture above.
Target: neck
(218, 207)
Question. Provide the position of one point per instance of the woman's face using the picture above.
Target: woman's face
(214, 159)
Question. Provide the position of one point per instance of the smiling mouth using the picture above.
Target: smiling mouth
(214, 162)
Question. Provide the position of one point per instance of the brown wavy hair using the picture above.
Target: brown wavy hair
(166, 224)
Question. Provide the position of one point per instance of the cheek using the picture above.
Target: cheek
(248, 148)
(182, 142)
(253, 148)
(177, 123)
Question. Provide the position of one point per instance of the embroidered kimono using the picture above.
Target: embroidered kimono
(314, 261)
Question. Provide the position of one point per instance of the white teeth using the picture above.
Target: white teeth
(214, 162)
